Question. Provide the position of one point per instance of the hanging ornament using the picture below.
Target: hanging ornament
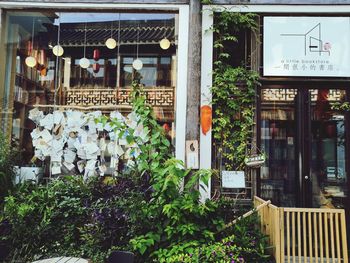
(96, 67)
(206, 118)
(58, 50)
(110, 42)
(31, 60)
(137, 63)
(43, 70)
(164, 43)
(84, 62)
(96, 55)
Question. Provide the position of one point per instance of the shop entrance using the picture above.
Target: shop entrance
(305, 142)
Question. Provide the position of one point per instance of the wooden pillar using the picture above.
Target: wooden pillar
(8, 54)
(3, 107)
(194, 71)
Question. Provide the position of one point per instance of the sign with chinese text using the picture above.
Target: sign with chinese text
(307, 46)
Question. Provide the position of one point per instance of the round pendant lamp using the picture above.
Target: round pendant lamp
(58, 50)
(137, 63)
(110, 42)
(31, 60)
(84, 62)
(164, 43)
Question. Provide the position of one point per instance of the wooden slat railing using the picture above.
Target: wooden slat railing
(304, 234)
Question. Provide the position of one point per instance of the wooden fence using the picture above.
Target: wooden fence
(304, 234)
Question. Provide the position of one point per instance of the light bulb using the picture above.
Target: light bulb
(137, 64)
(164, 43)
(31, 61)
(84, 63)
(58, 50)
(111, 43)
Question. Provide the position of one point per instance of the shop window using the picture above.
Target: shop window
(46, 80)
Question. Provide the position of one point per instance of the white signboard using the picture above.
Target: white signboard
(233, 179)
(307, 46)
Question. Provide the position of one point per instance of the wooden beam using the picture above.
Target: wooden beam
(109, 1)
(283, 2)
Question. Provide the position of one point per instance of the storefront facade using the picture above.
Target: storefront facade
(303, 70)
(83, 56)
(305, 140)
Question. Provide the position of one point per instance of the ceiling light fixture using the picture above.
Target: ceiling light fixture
(84, 62)
(31, 61)
(164, 43)
(137, 63)
(110, 42)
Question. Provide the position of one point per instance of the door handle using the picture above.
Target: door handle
(306, 177)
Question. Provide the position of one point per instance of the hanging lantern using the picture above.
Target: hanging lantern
(111, 43)
(164, 43)
(31, 61)
(58, 50)
(96, 67)
(84, 62)
(96, 55)
(137, 64)
(43, 71)
(206, 118)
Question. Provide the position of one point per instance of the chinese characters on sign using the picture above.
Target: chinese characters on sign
(307, 65)
(307, 46)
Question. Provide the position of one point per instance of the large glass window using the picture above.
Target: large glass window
(34, 76)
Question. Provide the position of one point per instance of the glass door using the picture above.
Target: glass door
(305, 141)
(328, 160)
(278, 135)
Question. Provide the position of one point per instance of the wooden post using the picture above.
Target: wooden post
(3, 107)
(194, 71)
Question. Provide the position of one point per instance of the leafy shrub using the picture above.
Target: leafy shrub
(246, 244)
(9, 157)
(145, 209)
(180, 217)
(67, 217)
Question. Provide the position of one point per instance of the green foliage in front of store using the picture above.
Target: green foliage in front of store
(233, 90)
(143, 210)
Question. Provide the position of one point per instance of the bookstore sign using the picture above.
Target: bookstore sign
(307, 46)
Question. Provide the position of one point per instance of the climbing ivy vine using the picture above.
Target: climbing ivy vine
(233, 90)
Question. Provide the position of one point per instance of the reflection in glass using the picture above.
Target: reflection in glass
(328, 188)
(105, 82)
